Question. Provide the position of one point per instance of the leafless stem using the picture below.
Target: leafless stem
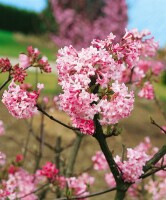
(153, 122)
(6, 82)
(90, 195)
(54, 119)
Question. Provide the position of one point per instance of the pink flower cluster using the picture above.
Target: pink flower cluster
(19, 102)
(91, 78)
(19, 185)
(78, 28)
(5, 65)
(16, 72)
(34, 59)
(99, 161)
(49, 170)
(132, 169)
(79, 186)
(147, 91)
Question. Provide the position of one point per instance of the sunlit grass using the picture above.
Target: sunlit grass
(11, 44)
(160, 90)
(50, 81)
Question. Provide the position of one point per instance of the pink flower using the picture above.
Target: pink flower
(19, 185)
(79, 186)
(24, 61)
(2, 129)
(5, 65)
(20, 103)
(147, 91)
(50, 171)
(2, 159)
(99, 161)
(18, 74)
(19, 158)
(164, 127)
(132, 169)
(110, 180)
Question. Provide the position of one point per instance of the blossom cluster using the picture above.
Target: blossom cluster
(132, 169)
(16, 182)
(33, 58)
(49, 170)
(92, 78)
(19, 102)
(79, 186)
(79, 28)
(16, 72)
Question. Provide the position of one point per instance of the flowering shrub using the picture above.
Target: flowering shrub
(97, 92)
(78, 26)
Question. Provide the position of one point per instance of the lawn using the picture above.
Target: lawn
(14, 43)
(50, 81)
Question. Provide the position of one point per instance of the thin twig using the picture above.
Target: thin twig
(33, 192)
(73, 155)
(54, 119)
(6, 82)
(38, 138)
(153, 172)
(90, 195)
(153, 122)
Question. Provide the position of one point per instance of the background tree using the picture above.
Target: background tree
(83, 20)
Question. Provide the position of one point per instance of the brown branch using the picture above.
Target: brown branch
(6, 82)
(90, 195)
(33, 192)
(54, 119)
(38, 138)
(155, 159)
(154, 123)
(153, 172)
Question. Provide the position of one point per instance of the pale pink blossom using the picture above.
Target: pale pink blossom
(132, 168)
(79, 186)
(164, 127)
(99, 161)
(2, 128)
(20, 103)
(109, 179)
(79, 28)
(2, 159)
(147, 91)
(19, 185)
(156, 189)
(24, 61)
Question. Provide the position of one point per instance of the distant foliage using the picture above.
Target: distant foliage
(80, 21)
(13, 19)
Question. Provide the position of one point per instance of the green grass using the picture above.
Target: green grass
(11, 44)
(160, 90)
(50, 81)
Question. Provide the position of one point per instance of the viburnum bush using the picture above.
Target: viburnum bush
(80, 21)
(99, 84)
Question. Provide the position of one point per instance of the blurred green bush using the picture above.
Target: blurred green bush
(17, 20)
